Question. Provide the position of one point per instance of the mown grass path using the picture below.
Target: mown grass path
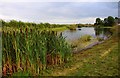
(100, 60)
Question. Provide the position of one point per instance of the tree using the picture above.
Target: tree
(111, 21)
(106, 22)
(117, 20)
(98, 21)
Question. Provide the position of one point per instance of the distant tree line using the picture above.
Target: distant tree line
(109, 21)
(17, 24)
(84, 25)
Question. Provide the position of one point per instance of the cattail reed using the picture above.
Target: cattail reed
(32, 50)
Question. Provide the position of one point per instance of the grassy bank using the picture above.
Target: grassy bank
(100, 60)
(83, 42)
(56, 29)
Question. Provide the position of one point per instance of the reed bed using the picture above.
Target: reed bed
(31, 50)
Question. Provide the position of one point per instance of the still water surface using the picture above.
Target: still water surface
(76, 34)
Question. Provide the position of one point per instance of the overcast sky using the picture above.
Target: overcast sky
(58, 12)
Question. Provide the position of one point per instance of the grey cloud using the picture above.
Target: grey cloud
(56, 10)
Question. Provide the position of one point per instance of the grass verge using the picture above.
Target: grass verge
(100, 60)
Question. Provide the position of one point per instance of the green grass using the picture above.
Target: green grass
(100, 60)
(83, 42)
(85, 38)
(106, 66)
(58, 29)
(49, 29)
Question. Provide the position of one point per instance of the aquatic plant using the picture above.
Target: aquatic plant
(85, 38)
(30, 50)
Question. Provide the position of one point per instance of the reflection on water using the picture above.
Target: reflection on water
(94, 32)
(103, 32)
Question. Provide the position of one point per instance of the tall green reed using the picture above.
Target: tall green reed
(32, 50)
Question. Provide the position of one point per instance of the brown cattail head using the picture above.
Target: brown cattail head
(3, 32)
(38, 32)
(31, 30)
(26, 30)
(20, 30)
(14, 33)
